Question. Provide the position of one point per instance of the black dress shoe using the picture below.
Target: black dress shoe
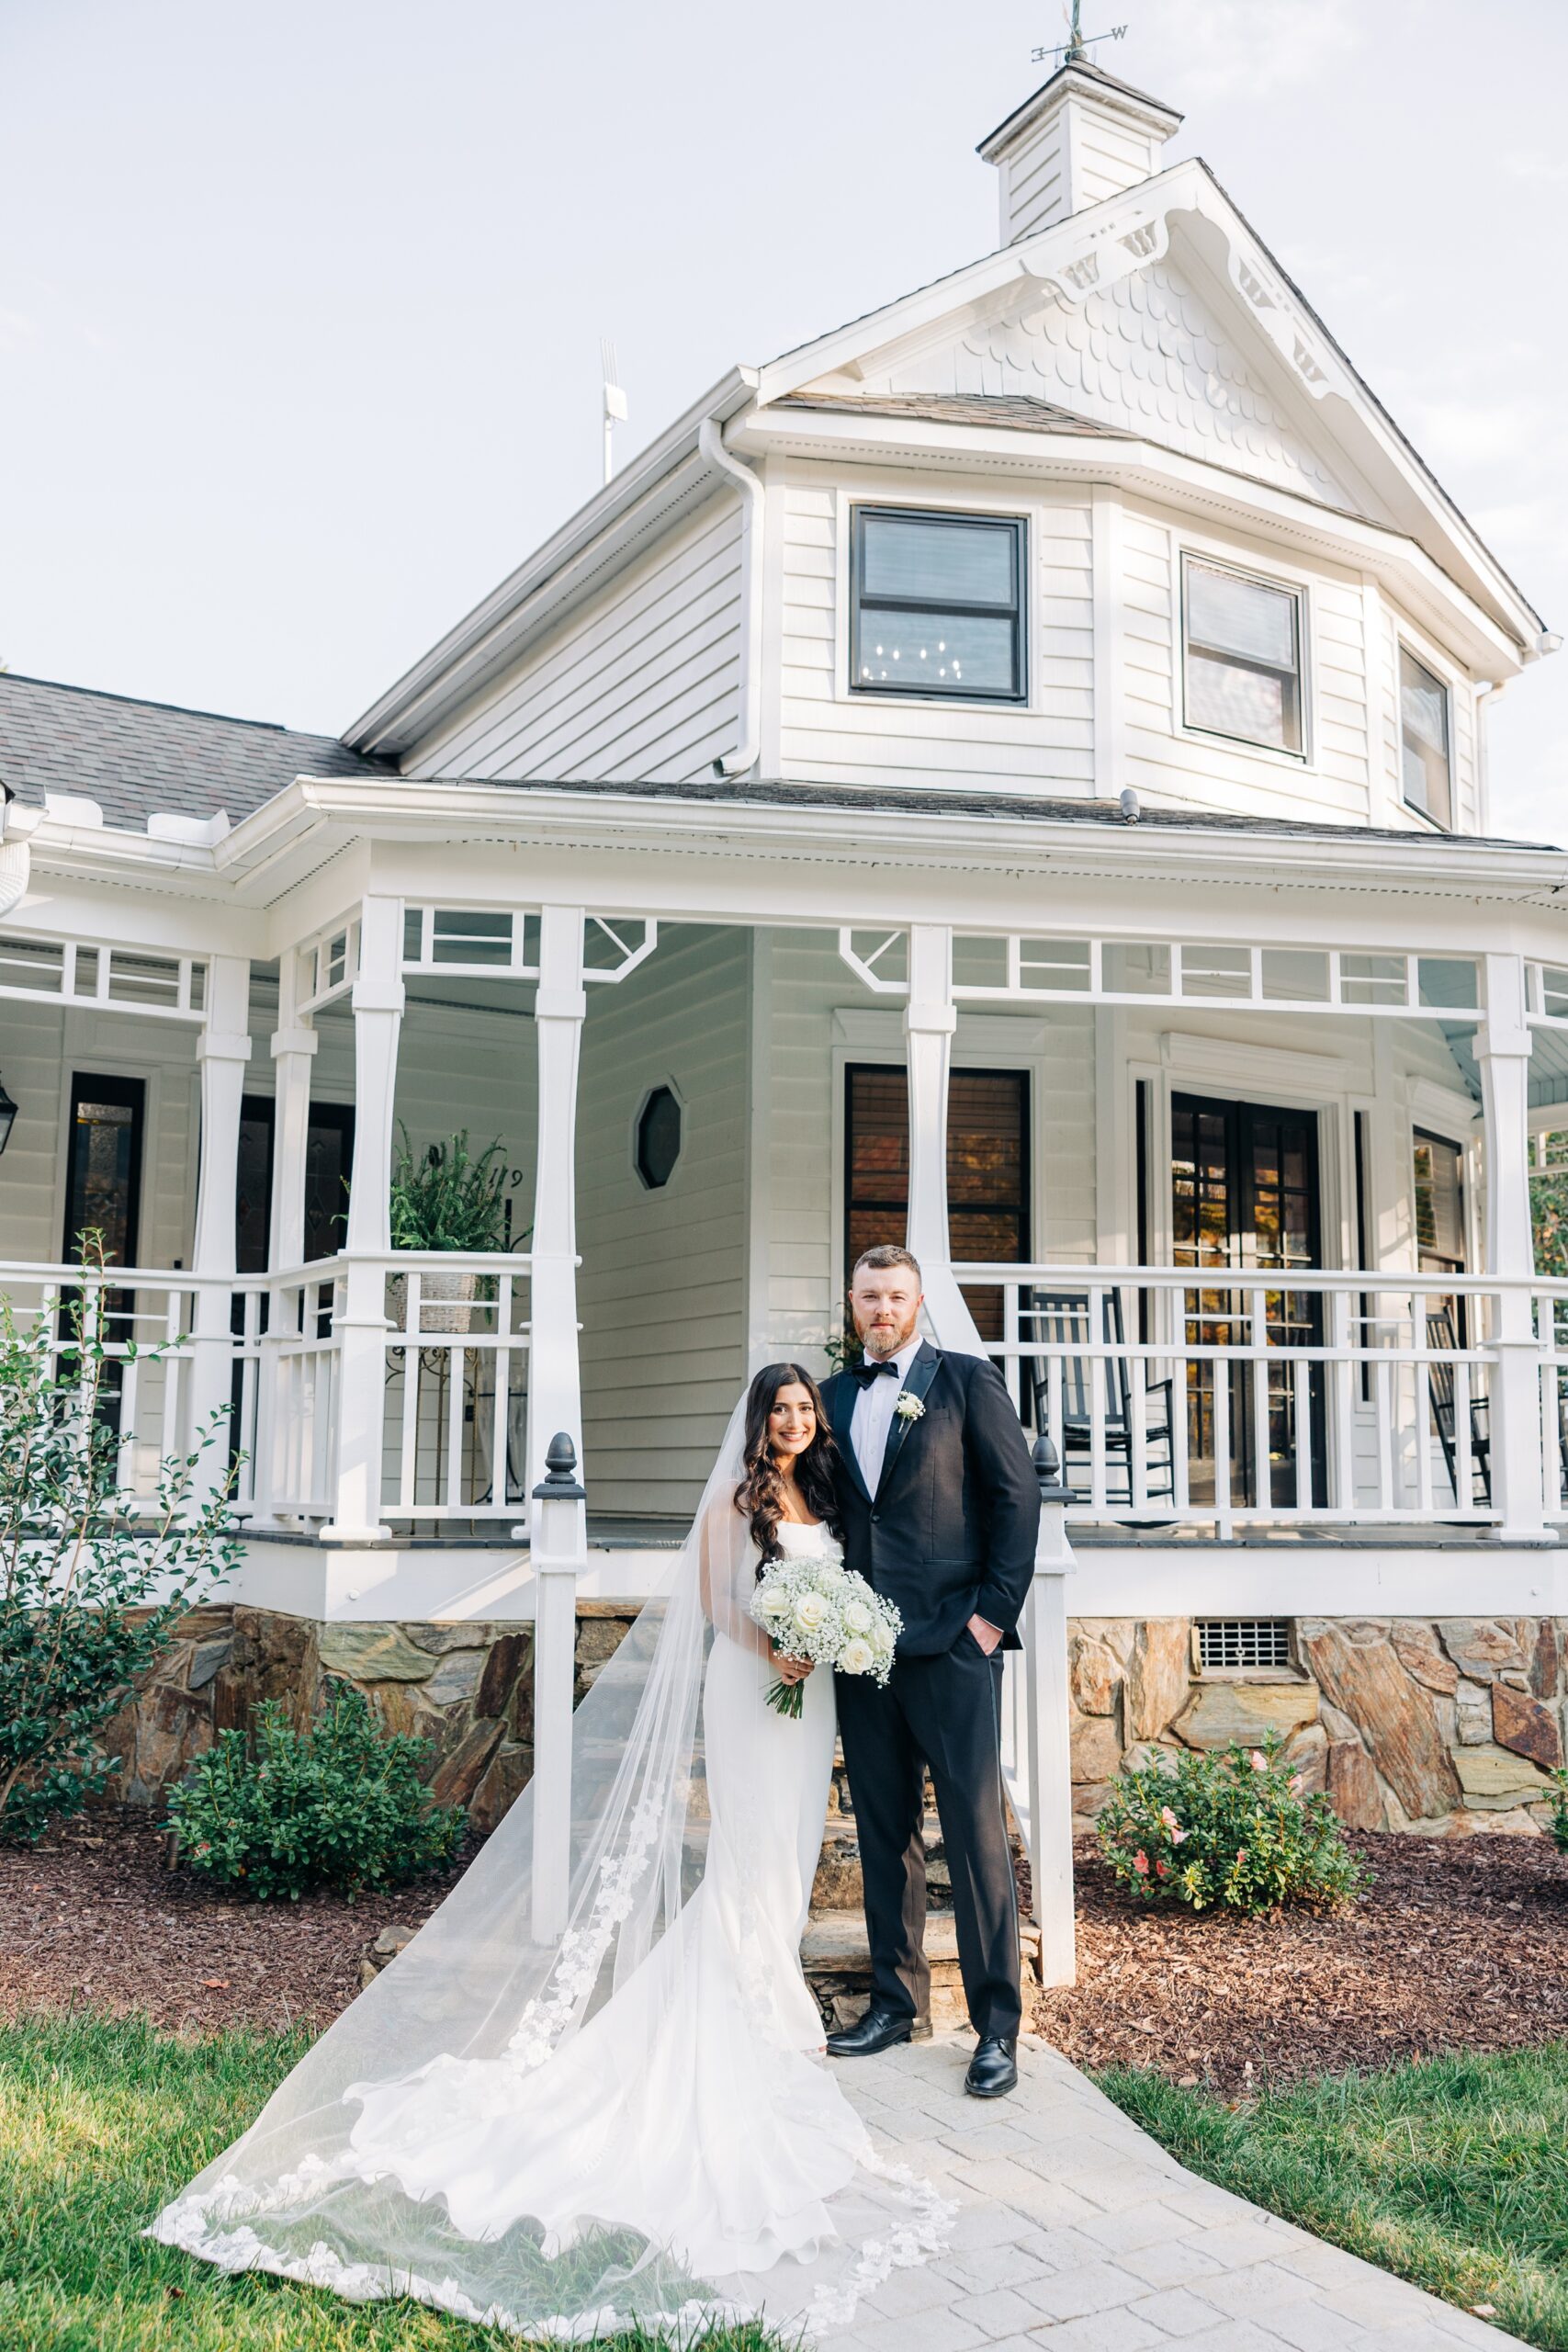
(878, 2030)
(993, 2070)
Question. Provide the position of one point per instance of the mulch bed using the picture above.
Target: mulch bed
(93, 1917)
(1460, 1944)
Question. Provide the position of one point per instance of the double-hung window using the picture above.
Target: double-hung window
(937, 605)
(1423, 740)
(1242, 644)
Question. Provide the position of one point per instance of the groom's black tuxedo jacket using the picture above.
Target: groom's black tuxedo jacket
(950, 1533)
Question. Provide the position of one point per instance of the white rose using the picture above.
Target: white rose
(856, 1658)
(880, 1638)
(773, 1603)
(858, 1617)
(810, 1612)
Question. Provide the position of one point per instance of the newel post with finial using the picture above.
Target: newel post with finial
(560, 1553)
(1049, 1762)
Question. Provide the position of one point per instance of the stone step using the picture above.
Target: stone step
(836, 1958)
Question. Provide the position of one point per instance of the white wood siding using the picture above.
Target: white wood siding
(829, 734)
(642, 681)
(663, 1281)
(1333, 782)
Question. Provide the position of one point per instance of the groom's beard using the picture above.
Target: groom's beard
(883, 1344)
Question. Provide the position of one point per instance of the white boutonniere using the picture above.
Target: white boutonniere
(908, 1406)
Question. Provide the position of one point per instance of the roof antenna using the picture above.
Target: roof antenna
(615, 403)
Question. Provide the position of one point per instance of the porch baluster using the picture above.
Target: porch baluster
(1341, 1405)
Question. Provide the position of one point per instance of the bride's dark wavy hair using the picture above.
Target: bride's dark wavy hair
(758, 1497)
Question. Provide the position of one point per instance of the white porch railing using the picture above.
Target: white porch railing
(455, 1370)
(1220, 1397)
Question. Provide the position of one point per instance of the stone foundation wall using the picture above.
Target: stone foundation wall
(467, 1688)
(1442, 1725)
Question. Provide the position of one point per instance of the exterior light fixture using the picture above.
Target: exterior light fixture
(7, 1115)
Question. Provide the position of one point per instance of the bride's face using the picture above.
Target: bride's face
(791, 1423)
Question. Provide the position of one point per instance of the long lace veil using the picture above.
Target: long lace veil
(475, 2002)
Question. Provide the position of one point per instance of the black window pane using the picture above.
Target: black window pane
(938, 562)
(936, 652)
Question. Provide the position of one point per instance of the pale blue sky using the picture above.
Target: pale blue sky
(300, 305)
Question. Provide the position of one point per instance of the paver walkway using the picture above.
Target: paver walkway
(1075, 2230)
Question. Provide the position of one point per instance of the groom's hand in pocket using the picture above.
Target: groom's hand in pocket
(987, 1636)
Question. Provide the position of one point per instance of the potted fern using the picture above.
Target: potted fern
(449, 1198)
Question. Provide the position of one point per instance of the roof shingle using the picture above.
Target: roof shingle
(140, 759)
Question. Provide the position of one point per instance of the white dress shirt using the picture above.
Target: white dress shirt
(874, 1413)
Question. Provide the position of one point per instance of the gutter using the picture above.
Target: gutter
(710, 445)
(16, 860)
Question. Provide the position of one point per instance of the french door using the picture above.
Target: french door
(987, 1169)
(1245, 1195)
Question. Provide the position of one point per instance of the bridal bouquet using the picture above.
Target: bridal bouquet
(818, 1609)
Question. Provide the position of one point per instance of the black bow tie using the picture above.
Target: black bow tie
(866, 1372)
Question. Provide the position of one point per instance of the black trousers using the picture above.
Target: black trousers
(944, 1712)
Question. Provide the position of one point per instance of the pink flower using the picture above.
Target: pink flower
(1162, 1870)
(1296, 1784)
(1241, 1853)
(1177, 1832)
(1140, 1863)
(1260, 1761)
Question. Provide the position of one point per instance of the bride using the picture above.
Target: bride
(632, 2124)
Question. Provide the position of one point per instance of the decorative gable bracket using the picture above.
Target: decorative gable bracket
(1131, 238)
(1281, 321)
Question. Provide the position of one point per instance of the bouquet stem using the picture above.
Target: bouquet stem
(788, 1699)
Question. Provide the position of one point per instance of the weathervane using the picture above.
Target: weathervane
(1075, 45)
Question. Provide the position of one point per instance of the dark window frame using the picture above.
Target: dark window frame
(127, 1093)
(649, 1183)
(1021, 1078)
(1298, 751)
(1017, 526)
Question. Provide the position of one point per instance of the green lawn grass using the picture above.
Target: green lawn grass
(1452, 2172)
(101, 2121)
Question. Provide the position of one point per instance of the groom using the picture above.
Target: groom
(939, 1510)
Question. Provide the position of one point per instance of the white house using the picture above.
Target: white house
(1010, 772)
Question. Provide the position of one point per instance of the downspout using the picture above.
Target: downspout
(710, 443)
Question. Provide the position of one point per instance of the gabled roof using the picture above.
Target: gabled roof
(142, 759)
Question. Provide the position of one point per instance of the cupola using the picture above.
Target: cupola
(1082, 137)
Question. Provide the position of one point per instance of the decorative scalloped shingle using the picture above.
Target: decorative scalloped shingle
(1146, 356)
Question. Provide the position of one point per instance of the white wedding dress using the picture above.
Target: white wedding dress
(656, 2137)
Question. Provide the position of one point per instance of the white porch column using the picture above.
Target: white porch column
(294, 1044)
(928, 1026)
(1502, 1051)
(1049, 1763)
(361, 1321)
(558, 1557)
(222, 1051)
(555, 1385)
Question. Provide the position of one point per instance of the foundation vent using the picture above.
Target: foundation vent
(1244, 1641)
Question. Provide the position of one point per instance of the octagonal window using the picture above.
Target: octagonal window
(658, 1137)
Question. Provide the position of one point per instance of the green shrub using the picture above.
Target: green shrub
(275, 1811)
(1231, 1828)
(93, 1578)
(1558, 1800)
